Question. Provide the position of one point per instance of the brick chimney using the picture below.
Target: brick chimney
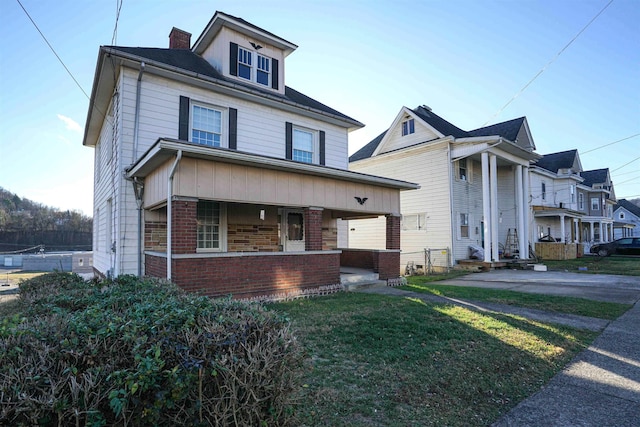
(179, 39)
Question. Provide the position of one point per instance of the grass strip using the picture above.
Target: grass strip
(374, 360)
(616, 264)
(558, 304)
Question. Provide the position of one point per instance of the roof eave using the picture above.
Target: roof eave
(164, 148)
(221, 19)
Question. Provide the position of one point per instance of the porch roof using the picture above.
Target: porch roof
(547, 211)
(166, 148)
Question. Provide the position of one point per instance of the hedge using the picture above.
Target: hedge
(132, 352)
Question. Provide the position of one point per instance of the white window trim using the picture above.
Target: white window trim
(419, 220)
(315, 142)
(597, 200)
(543, 190)
(406, 125)
(223, 230)
(254, 67)
(581, 201)
(224, 121)
(460, 225)
(469, 167)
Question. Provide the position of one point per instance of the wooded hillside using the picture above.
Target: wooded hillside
(25, 224)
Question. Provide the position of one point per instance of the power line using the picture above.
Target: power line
(52, 49)
(611, 143)
(115, 27)
(628, 163)
(629, 180)
(624, 173)
(542, 70)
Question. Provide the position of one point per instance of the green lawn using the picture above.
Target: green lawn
(616, 264)
(387, 361)
(569, 305)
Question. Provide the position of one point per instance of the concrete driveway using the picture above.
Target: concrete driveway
(599, 287)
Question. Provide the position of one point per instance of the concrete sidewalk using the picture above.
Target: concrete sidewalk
(600, 387)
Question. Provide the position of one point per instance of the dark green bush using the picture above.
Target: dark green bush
(142, 352)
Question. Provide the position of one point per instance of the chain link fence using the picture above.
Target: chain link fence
(427, 261)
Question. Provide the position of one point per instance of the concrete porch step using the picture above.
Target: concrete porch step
(365, 284)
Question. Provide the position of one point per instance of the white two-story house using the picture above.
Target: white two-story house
(474, 186)
(211, 172)
(570, 205)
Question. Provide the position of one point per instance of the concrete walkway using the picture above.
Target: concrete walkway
(601, 386)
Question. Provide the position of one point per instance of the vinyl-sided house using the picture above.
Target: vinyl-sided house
(211, 172)
(474, 186)
(600, 199)
(626, 217)
(557, 198)
(569, 204)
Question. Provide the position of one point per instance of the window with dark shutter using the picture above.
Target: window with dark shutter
(233, 128)
(321, 150)
(233, 59)
(289, 141)
(274, 74)
(183, 119)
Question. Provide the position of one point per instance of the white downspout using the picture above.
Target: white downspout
(452, 219)
(169, 196)
(136, 120)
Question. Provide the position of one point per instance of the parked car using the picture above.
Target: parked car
(624, 246)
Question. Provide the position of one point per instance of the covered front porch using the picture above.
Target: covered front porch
(248, 226)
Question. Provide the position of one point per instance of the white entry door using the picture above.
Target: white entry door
(293, 226)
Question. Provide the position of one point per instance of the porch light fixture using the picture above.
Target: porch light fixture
(262, 214)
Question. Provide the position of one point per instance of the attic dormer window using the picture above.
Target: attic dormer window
(408, 127)
(253, 67)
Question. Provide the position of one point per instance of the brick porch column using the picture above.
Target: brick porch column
(184, 223)
(313, 229)
(393, 232)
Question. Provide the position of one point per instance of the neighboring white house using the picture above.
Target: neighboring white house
(626, 216)
(211, 172)
(557, 197)
(571, 205)
(474, 186)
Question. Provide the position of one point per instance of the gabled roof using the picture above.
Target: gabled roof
(596, 176)
(367, 151)
(221, 19)
(508, 130)
(438, 123)
(555, 161)
(624, 203)
(184, 61)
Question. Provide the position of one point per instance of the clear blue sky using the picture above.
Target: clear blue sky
(366, 58)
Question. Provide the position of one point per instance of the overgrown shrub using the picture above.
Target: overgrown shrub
(142, 352)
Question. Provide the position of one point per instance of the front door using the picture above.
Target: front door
(293, 226)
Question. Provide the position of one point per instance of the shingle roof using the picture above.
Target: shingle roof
(367, 151)
(596, 176)
(189, 61)
(438, 123)
(508, 130)
(624, 203)
(554, 161)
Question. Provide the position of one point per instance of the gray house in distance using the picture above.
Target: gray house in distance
(626, 217)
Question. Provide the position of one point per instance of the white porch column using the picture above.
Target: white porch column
(576, 231)
(520, 202)
(493, 176)
(486, 207)
(527, 212)
(601, 231)
(562, 231)
(593, 231)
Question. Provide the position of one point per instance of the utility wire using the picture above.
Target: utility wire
(114, 38)
(548, 63)
(624, 173)
(52, 49)
(629, 180)
(611, 143)
(628, 163)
